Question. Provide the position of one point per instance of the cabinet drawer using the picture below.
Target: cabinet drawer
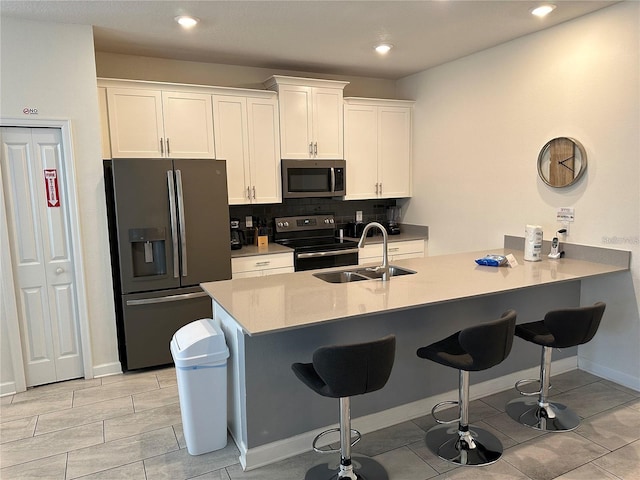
(397, 251)
(261, 262)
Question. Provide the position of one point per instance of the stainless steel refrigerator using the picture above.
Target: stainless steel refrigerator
(169, 231)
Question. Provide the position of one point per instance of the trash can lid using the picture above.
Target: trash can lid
(198, 343)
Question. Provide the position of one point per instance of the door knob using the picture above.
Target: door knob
(59, 270)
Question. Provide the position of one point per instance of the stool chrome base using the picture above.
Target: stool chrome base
(363, 467)
(476, 447)
(554, 417)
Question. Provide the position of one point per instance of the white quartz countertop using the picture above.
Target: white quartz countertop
(251, 250)
(293, 300)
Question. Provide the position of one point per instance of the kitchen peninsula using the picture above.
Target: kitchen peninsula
(271, 322)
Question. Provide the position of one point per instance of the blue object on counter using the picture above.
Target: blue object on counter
(492, 260)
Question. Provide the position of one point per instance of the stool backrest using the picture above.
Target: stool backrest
(574, 326)
(355, 369)
(490, 343)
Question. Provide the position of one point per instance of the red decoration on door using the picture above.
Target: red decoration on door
(51, 187)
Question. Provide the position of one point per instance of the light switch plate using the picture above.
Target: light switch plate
(358, 215)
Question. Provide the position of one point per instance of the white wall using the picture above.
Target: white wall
(51, 67)
(114, 65)
(480, 123)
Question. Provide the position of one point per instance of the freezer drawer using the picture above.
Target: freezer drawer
(150, 320)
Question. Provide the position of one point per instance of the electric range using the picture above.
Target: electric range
(314, 242)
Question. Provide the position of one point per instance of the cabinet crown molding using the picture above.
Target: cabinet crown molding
(275, 81)
(378, 101)
(183, 87)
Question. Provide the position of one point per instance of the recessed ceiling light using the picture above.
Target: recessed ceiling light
(543, 10)
(186, 21)
(383, 48)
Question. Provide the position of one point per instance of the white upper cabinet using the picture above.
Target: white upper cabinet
(378, 148)
(188, 125)
(311, 117)
(246, 136)
(145, 122)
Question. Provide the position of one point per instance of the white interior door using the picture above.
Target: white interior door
(38, 219)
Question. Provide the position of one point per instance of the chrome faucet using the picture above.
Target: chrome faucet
(385, 256)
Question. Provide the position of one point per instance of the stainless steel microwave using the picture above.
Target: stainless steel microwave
(313, 178)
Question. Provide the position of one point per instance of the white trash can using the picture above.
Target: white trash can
(200, 355)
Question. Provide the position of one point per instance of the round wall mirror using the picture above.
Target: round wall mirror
(562, 161)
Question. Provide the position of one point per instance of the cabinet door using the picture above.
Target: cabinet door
(394, 151)
(295, 121)
(188, 125)
(135, 122)
(327, 123)
(230, 127)
(264, 150)
(361, 151)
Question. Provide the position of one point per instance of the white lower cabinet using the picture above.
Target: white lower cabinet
(261, 265)
(372, 253)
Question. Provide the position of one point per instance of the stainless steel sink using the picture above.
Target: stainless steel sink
(347, 276)
(340, 277)
(393, 272)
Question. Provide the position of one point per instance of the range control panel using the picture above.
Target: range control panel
(300, 224)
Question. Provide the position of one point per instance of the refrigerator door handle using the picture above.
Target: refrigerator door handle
(167, 298)
(182, 224)
(174, 223)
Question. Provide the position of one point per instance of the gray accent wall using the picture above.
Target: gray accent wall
(279, 406)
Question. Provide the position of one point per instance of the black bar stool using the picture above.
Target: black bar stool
(559, 329)
(472, 349)
(342, 371)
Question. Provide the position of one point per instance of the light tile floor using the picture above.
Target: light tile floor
(129, 427)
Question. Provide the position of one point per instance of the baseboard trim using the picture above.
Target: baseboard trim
(107, 369)
(7, 388)
(605, 372)
(251, 458)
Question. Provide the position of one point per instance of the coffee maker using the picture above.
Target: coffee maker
(393, 220)
(237, 236)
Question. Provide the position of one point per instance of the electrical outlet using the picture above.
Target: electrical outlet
(358, 215)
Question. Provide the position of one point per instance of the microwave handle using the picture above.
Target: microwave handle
(333, 179)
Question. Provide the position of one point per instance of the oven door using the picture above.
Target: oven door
(325, 259)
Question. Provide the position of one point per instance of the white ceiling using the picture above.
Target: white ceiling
(305, 35)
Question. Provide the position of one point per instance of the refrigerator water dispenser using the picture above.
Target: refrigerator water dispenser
(148, 251)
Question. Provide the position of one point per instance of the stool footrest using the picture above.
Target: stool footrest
(525, 381)
(438, 405)
(354, 434)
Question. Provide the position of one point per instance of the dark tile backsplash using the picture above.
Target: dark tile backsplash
(343, 210)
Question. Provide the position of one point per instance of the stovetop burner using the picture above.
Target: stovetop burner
(317, 243)
(310, 233)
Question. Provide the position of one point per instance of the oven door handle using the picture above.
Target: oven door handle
(330, 253)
